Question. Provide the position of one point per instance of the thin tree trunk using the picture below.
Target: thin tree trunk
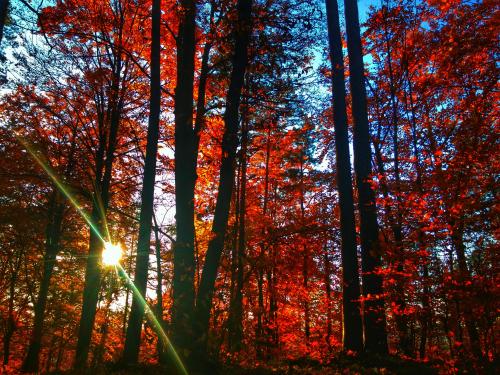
(421, 235)
(159, 291)
(133, 336)
(328, 294)
(374, 313)
(127, 289)
(458, 244)
(305, 256)
(236, 331)
(227, 170)
(351, 313)
(98, 218)
(53, 235)
(11, 324)
(401, 319)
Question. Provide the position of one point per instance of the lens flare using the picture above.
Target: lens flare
(111, 254)
(153, 320)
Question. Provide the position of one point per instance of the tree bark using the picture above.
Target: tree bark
(185, 179)
(53, 235)
(98, 218)
(227, 171)
(133, 336)
(328, 295)
(236, 331)
(11, 324)
(351, 312)
(374, 313)
(159, 291)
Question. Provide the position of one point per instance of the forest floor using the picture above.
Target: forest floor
(343, 365)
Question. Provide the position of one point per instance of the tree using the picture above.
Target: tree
(353, 329)
(242, 32)
(185, 180)
(132, 342)
(374, 314)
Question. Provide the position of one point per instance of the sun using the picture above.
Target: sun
(111, 254)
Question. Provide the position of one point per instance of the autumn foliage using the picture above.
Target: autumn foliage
(247, 259)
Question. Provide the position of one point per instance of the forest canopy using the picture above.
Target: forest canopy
(249, 186)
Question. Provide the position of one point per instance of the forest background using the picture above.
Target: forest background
(265, 224)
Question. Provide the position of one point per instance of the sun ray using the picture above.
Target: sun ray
(60, 185)
(152, 318)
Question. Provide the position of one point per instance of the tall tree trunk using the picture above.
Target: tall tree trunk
(133, 336)
(185, 179)
(426, 311)
(11, 324)
(236, 331)
(53, 235)
(227, 170)
(351, 311)
(470, 324)
(159, 290)
(328, 294)
(401, 319)
(374, 314)
(98, 218)
(305, 255)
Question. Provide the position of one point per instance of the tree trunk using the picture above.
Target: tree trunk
(401, 319)
(305, 255)
(185, 179)
(159, 291)
(351, 312)
(227, 169)
(328, 294)
(53, 235)
(11, 324)
(236, 331)
(133, 336)
(4, 7)
(374, 314)
(470, 324)
(98, 218)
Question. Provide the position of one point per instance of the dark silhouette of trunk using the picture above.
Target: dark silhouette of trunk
(4, 7)
(227, 171)
(328, 294)
(259, 332)
(11, 323)
(52, 241)
(99, 350)
(127, 289)
(374, 314)
(351, 311)
(159, 290)
(426, 311)
(470, 324)
(234, 258)
(185, 179)
(98, 216)
(305, 255)
(236, 310)
(55, 213)
(133, 336)
(401, 319)
(464, 273)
